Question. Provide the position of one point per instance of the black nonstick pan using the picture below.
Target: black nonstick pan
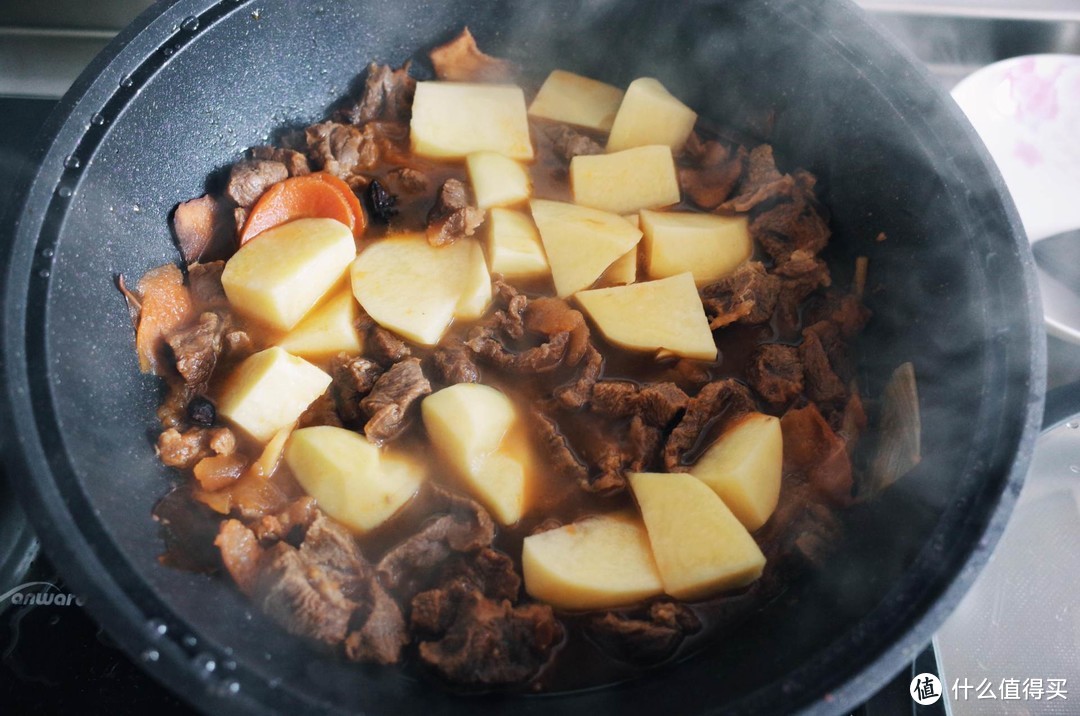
(182, 92)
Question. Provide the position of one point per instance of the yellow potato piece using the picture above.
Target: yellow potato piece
(278, 276)
(351, 479)
(665, 314)
(466, 423)
(595, 563)
(269, 391)
(624, 182)
(327, 330)
(580, 243)
(451, 120)
(707, 245)
(513, 245)
(622, 271)
(699, 546)
(649, 114)
(415, 289)
(497, 180)
(744, 467)
(567, 97)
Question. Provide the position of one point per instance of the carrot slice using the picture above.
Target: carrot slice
(311, 196)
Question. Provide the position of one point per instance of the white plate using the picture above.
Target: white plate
(1027, 111)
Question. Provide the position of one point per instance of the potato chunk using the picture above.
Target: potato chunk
(269, 390)
(328, 330)
(595, 563)
(708, 246)
(496, 180)
(352, 480)
(699, 546)
(624, 182)
(415, 289)
(744, 466)
(649, 114)
(451, 120)
(467, 423)
(513, 245)
(580, 242)
(279, 277)
(570, 98)
(653, 315)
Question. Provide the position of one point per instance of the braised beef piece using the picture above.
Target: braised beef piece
(800, 275)
(322, 411)
(454, 364)
(184, 449)
(544, 358)
(802, 530)
(721, 400)
(388, 95)
(714, 172)
(289, 525)
(322, 589)
(412, 566)
(551, 316)
(349, 152)
(794, 224)
(646, 635)
(487, 570)
(844, 310)
(295, 162)
(380, 202)
(384, 346)
(510, 320)
(579, 392)
(568, 143)
(776, 373)
(636, 449)
(249, 178)
(197, 349)
(453, 216)
(388, 403)
(407, 180)
(204, 228)
(353, 378)
(460, 60)
(748, 295)
(658, 404)
(204, 283)
(554, 444)
(172, 412)
(823, 385)
(492, 642)
(644, 443)
(817, 455)
(761, 183)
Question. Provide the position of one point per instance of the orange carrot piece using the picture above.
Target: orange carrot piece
(310, 196)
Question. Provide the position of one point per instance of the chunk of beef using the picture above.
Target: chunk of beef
(488, 571)
(792, 225)
(204, 283)
(385, 347)
(568, 143)
(412, 566)
(844, 310)
(302, 597)
(748, 295)
(716, 171)
(295, 162)
(183, 449)
(814, 451)
(511, 318)
(290, 525)
(204, 228)
(579, 392)
(217, 472)
(173, 410)
(453, 216)
(721, 400)
(802, 530)
(353, 378)
(762, 182)
(493, 642)
(823, 385)
(776, 373)
(388, 403)
(347, 151)
(644, 636)
(406, 180)
(644, 443)
(484, 342)
(634, 450)
(801, 275)
(460, 60)
(658, 404)
(322, 411)
(197, 349)
(381, 634)
(248, 179)
(388, 95)
(554, 444)
(241, 553)
(454, 364)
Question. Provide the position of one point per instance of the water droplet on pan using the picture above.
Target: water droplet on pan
(256, 14)
(232, 687)
(1074, 469)
(190, 641)
(98, 119)
(126, 81)
(169, 51)
(1072, 424)
(150, 655)
(72, 162)
(157, 627)
(205, 662)
(190, 24)
(64, 191)
(44, 273)
(47, 253)
(136, 208)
